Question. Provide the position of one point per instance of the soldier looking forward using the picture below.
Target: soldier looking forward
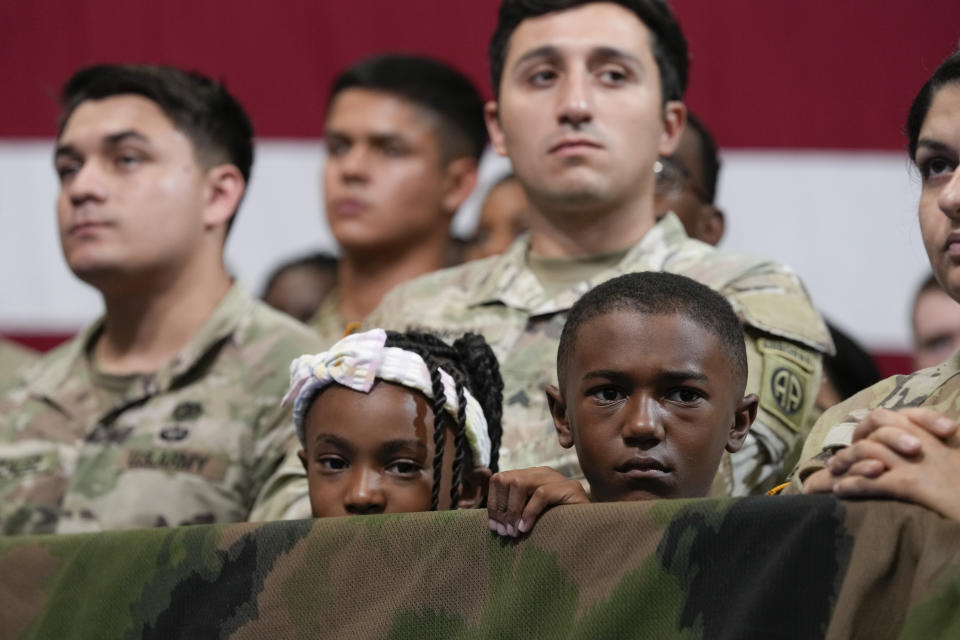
(588, 96)
(166, 411)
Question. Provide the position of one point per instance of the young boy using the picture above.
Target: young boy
(652, 371)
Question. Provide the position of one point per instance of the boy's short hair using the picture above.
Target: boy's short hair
(656, 293)
(200, 107)
(431, 85)
(667, 40)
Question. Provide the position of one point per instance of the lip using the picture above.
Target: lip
(643, 467)
(952, 246)
(86, 227)
(350, 206)
(568, 146)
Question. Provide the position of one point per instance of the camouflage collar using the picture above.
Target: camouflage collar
(328, 322)
(229, 318)
(511, 282)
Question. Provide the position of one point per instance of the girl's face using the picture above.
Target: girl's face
(938, 153)
(370, 453)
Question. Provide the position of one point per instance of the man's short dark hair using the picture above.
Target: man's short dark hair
(709, 157)
(200, 107)
(655, 293)
(667, 42)
(431, 85)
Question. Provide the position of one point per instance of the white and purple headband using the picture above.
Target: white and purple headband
(357, 360)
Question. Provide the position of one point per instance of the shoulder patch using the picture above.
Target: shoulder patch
(787, 373)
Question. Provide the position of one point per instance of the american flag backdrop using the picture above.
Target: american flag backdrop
(806, 99)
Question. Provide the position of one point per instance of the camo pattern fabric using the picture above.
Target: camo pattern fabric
(816, 568)
(937, 388)
(327, 322)
(192, 443)
(501, 298)
(13, 360)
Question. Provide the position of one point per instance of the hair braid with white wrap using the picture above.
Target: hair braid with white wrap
(461, 362)
(462, 383)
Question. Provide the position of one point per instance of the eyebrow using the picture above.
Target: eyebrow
(670, 375)
(378, 138)
(393, 446)
(612, 52)
(602, 52)
(111, 140)
(680, 375)
(934, 145)
(335, 441)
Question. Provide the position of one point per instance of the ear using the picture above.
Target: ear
(674, 119)
(714, 224)
(302, 454)
(491, 114)
(460, 180)
(558, 409)
(473, 488)
(746, 413)
(224, 190)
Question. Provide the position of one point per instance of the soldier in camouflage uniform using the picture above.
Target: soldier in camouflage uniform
(167, 410)
(899, 437)
(13, 359)
(583, 138)
(404, 136)
(518, 304)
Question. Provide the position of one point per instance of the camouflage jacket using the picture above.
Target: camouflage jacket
(936, 387)
(192, 442)
(13, 359)
(327, 322)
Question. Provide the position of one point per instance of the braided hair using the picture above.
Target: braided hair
(473, 366)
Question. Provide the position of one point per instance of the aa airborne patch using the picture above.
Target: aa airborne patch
(787, 372)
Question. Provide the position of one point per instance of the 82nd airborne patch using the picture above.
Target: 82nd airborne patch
(787, 374)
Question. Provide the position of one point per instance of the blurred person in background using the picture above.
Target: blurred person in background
(686, 183)
(297, 287)
(936, 325)
(503, 217)
(404, 135)
(850, 370)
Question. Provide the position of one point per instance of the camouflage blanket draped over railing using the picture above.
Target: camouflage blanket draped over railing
(787, 567)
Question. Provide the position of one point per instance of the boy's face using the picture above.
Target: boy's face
(580, 112)
(385, 179)
(650, 403)
(373, 453)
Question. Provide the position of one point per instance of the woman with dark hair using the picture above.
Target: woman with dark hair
(898, 439)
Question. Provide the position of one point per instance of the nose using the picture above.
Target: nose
(364, 495)
(575, 101)
(354, 164)
(87, 184)
(949, 197)
(642, 423)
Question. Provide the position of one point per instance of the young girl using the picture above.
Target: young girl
(397, 422)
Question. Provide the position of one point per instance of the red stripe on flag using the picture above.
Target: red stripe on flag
(772, 74)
